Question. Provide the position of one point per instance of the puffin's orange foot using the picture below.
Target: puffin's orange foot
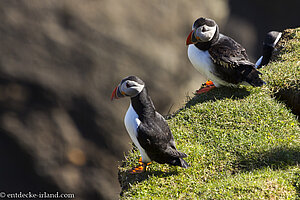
(141, 162)
(207, 86)
(205, 89)
(138, 169)
(209, 83)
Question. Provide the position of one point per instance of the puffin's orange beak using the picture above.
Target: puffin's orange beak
(114, 94)
(189, 38)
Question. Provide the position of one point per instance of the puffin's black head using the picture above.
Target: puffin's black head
(269, 44)
(203, 30)
(129, 86)
(272, 38)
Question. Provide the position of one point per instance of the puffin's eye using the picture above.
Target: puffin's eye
(128, 85)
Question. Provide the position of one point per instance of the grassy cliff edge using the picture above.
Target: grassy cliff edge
(283, 74)
(241, 143)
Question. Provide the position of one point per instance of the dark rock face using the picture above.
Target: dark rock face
(51, 145)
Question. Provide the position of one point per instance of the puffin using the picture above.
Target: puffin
(147, 129)
(269, 43)
(219, 58)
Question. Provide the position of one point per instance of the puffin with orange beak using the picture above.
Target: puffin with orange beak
(147, 128)
(219, 58)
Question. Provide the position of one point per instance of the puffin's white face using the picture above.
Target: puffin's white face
(205, 33)
(129, 86)
(203, 30)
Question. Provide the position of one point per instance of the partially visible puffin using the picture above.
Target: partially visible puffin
(270, 41)
(147, 128)
(219, 57)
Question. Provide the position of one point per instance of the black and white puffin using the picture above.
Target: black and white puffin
(147, 128)
(270, 41)
(219, 57)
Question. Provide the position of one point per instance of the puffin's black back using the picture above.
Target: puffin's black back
(154, 134)
(156, 138)
(232, 63)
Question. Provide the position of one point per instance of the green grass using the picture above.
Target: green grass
(241, 144)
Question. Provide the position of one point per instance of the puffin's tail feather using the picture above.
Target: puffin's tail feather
(251, 76)
(176, 158)
(179, 162)
(181, 155)
(175, 153)
(183, 163)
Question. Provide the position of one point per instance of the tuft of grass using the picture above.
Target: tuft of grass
(241, 144)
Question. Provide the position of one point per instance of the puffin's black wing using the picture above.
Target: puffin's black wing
(232, 63)
(156, 138)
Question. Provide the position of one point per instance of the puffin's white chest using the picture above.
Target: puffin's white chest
(132, 123)
(200, 59)
(203, 63)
